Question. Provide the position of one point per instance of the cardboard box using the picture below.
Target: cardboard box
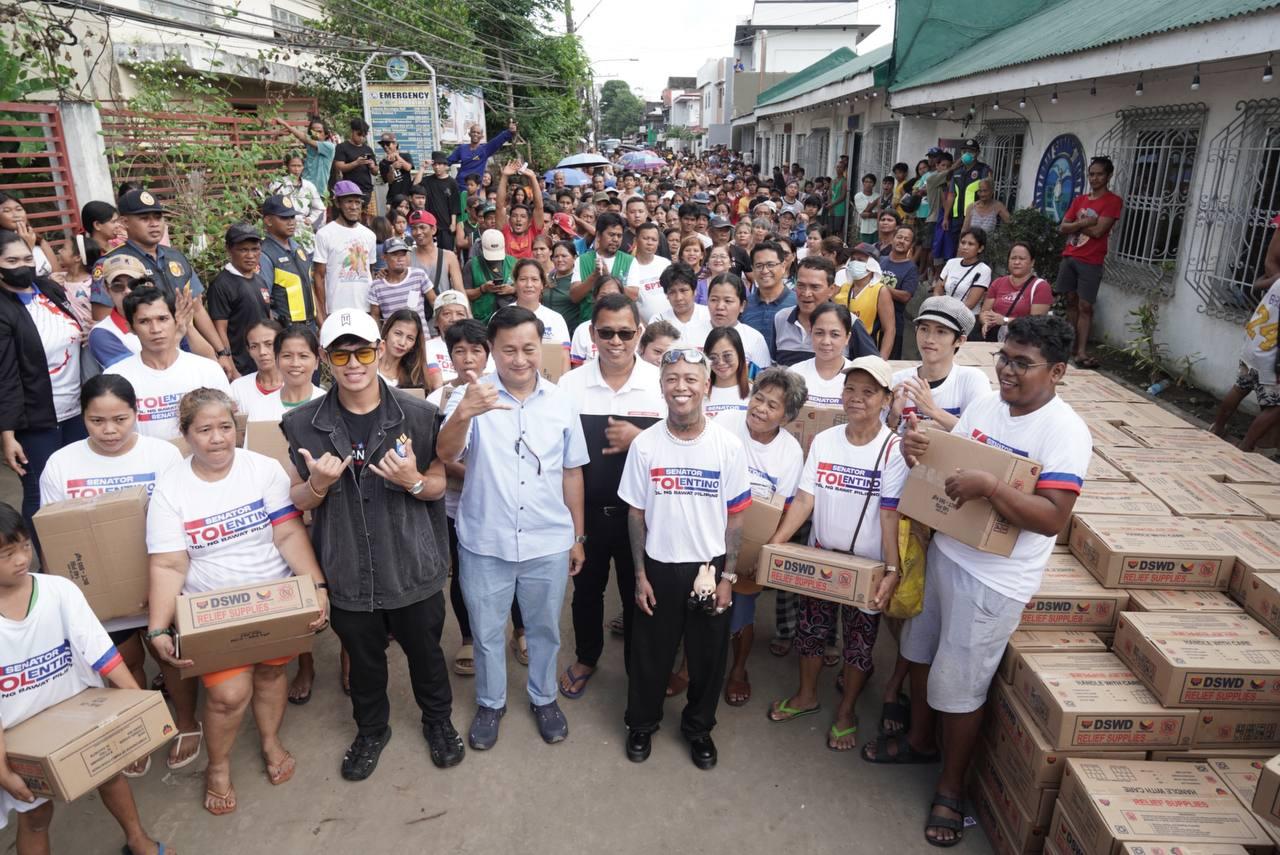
(100, 543)
(759, 522)
(1019, 745)
(1062, 837)
(977, 523)
(835, 576)
(813, 421)
(1256, 545)
(1141, 600)
(1140, 461)
(1111, 803)
(1199, 496)
(1241, 777)
(1242, 468)
(1001, 839)
(1149, 415)
(1204, 755)
(1026, 830)
(1150, 552)
(1047, 641)
(1070, 597)
(554, 357)
(1237, 728)
(1187, 438)
(1101, 470)
(1121, 499)
(1107, 433)
(1265, 497)
(1180, 848)
(1262, 599)
(1093, 701)
(246, 624)
(1266, 800)
(267, 438)
(1202, 659)
(74, 746)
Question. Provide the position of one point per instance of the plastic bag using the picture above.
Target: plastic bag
(908, 597)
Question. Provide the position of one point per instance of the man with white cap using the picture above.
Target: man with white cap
(344, 250)
(938, 390)
(365, 466)
(487, 277)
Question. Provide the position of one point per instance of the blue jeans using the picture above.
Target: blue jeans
(39, 445)
(489, 585)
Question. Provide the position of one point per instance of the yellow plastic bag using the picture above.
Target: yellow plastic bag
(908, 597)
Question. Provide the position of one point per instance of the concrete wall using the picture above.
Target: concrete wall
(834, 118)
(794, 50)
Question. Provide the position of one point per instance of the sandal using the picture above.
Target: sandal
(199, 733)
(520, 648)
(160, 848)
(1088, 363)
(282, 771)
(782, 710)
(835, 734)
(615, 626)
(905, 755)
(896, 712)
(737, 692)
(577, 683)
(228, 800)
(676, 684)
(464, 661)
(831, 659)
(146, 767)
(780, 646)
(936, 821)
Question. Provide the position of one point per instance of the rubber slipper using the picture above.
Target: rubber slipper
(281, 772)
(146, 767)
(741, 688)
(228, 796)
(198, 732)
(300, 700)
(936, 821)
(676, 684)
(830, 660)
(835, 733)
(579, 680)
(464, 661)
(780, 646)
(520, 648)
(789, 712)
(616, 627)
(898, 712)
(160, 848)
(906, 755)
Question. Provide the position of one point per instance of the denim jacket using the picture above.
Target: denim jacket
(379, 546)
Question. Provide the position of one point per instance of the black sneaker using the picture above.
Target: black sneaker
(362, 757)
(444, 743)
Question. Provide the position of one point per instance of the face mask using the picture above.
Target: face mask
(967, 158)
(20, 278)
(857, 269)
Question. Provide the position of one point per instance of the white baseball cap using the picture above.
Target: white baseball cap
(352, 322)
(452, 298)
(493, 246)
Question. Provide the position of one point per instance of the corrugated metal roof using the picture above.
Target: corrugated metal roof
(839, 65)
(1072, 26)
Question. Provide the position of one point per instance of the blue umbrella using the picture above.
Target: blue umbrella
(583, 160)
(572, 177)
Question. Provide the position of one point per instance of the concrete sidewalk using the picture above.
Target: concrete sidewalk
(777, 790)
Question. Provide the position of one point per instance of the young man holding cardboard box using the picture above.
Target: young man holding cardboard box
(974, 599)
(49, 643)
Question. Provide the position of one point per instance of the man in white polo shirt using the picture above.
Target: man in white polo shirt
(616, 396)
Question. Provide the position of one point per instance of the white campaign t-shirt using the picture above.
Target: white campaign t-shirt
(62, 338)
(554, 328)
(223, 526)
(1060, 441)
(690, 489)
(693, 332)
(78, 472)
(453, 486)
(755, 347)
(724, 399)
(773, 467)
(245, 391)
(822, 393)
(582, 347)
(346, 254)
(271, 407)
(57, 651)
(652, 300)
(438, 359)
(957, 279)
(960, 388)
(159, 392)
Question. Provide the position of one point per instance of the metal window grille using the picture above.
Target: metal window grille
(289, 21)
(1240, 198)
(800, 153)
(1002, 143)
(881, 151)
(819, 151)
(177, 11)
(1154, 151)
(34, 168)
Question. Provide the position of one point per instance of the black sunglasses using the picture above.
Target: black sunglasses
(608, 333)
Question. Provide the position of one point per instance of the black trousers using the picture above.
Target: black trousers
(607, 540)
(455, 590)
(417, 629)
(654, 640)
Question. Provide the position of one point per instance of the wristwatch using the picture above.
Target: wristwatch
(582, 538)
(890, 569)
(729, 576)
(222, 353)
(418, 487)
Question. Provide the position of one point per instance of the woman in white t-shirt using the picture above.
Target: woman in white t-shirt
(684, 313)
(530, 281)
(774, 463)
(53, 648)
(114, 457)
(404, 361)
(726, 299)
(297, 355)
(831, 326)
(965, 277)
(222, 518)
(260, 341)
(729, 386)
(850, 486)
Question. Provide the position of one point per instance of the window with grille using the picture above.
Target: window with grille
(880, 151)
(1154, 151)
(1002, 144)
(779, 150)
(286, 23)
(1239, 199)
(190, 13)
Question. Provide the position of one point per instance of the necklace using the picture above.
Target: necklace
(666, 425)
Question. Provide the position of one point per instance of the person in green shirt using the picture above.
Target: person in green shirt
(556, 296)
(488, 276)
(606, 258)
(839, 194)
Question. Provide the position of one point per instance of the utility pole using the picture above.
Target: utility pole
(568, 17)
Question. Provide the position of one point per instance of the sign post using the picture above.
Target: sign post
(406, 107)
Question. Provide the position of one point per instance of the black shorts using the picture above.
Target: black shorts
(1079, 278)
(120, 636)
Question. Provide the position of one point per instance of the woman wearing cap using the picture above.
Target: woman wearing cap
(867, 298)
(451, 307)
(403, 362)
(1015, 295)
(854, 506)
(966, 277)
(111, 339)
(260, 341)
(530, 283)
(40, 390)
(266, 543)
(441, 265)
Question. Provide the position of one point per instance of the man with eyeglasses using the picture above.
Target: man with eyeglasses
(365, 465)
(520, 517)
(615, 396)
(111, 340)
(974, 599)
(770, 295)
(686, 482)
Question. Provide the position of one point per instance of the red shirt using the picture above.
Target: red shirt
(1091, 250)
(1038, 293)
(520, 246)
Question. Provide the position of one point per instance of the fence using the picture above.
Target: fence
(34, 168)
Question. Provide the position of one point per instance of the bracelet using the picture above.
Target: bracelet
(156, 633)
(314, 491)
(324, 586)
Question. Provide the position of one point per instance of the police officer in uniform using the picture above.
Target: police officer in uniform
(167, 267)
(285, 265)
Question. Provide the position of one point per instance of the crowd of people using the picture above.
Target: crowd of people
(688, 315)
